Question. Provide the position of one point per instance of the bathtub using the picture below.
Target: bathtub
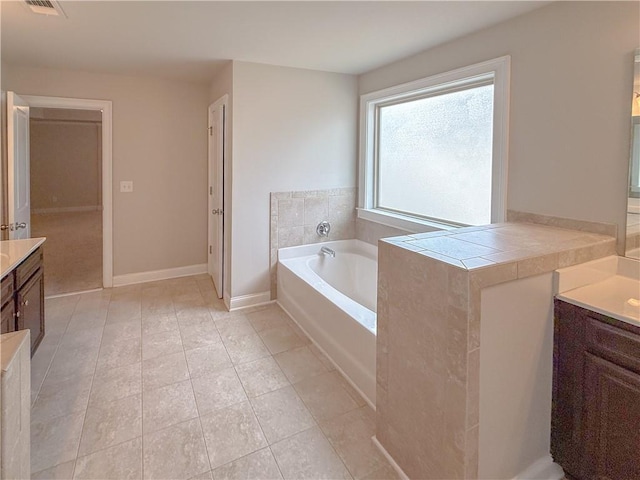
(334, 301)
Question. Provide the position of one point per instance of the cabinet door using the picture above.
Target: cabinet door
(611, 434)
(8, 318)
(30, 304)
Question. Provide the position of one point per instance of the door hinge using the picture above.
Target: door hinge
(210, 190)
(210, 130)
(210, 249)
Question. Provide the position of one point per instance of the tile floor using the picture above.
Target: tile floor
(72, 252)
(159, 381)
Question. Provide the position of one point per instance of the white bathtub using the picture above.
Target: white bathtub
(334, 301)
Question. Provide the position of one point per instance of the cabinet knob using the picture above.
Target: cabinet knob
(17, 314)
(25, 303)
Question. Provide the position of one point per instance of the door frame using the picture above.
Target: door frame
(222, 102)
(107, 180)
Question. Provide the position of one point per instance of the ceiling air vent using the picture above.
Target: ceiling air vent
(45, 7)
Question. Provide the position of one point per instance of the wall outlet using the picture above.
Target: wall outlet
(126, 186)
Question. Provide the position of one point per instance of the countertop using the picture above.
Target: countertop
(10, 344)
(12, 252)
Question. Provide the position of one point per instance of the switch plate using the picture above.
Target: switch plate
(126, 186)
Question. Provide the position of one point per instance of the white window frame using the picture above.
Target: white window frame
(500, 68)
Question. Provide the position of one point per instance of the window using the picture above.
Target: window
(433, 152)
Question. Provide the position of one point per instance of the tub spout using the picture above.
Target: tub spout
(327, 251)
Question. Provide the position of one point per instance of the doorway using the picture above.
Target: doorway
(217, 155)
(79, 231)
(66, 196)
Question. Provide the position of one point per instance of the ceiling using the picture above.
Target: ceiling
(192, 40)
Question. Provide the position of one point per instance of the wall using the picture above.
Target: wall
(571, 78)
(293, 130)
(159, 142)
(65, 164)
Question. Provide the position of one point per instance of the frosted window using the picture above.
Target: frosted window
(435, 156)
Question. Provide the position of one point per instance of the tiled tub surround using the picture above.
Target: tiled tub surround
(428, 338)
(158, 380)
(295, 215)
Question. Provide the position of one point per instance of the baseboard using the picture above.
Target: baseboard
(543, 468)
(392, 462)
(142, 277)
(89, 208)
(252, 300)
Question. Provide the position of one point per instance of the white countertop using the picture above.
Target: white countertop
(610, 286)
(12, 252)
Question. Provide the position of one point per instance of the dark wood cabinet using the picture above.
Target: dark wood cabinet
(595, 430)
(23, 299)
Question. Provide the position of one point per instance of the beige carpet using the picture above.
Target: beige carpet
(72, 252)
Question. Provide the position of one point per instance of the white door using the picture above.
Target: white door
(216, 191)
(19, 205)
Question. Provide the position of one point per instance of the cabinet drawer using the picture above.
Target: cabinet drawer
(28, 268)
(618, 346)
(7, 289)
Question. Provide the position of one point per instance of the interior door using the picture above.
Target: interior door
(19, 205)
(216, 192)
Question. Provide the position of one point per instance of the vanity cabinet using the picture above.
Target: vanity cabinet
(23, 298)
(595, 431)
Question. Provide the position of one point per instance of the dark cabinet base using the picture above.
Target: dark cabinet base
(595, 430)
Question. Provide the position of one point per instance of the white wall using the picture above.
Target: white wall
(293, 129)
(159, 142)
(571, 80)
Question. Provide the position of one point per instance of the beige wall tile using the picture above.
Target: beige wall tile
(291, 213)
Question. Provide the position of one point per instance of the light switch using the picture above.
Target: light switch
(126, 186)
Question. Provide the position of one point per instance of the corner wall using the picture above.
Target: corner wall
(293, 130)
(571, 83)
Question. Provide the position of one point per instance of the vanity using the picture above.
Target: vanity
(596, 377)
(22, 288)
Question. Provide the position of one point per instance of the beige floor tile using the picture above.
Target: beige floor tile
(163, 343)
(111, 423)
(325, 396)
(159, 305)
(82, 320)
(281, 414)
(113, 384)
(176, 452)
(300, 364)
(383, 473)
(63, 471)
(116, 332)
(269, 317)
(201, 335)
(202, 361)
(120, 353)
(165, 370)
(350, 434)
(309, 455)
(218, 390)
(234, 326)
(55, 441)
(194, 319)
(159, 323)
(258, 465)
(245, 348)
(231, 433)
(166, 406)
(82, 338)
(203, 476)
(123, 312)
(72, 363)
(261, 376)
(120, 462)
(281, 339)
(63, 398)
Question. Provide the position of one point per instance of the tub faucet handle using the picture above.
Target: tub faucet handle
(323, 229)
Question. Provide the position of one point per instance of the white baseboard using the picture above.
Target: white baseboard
(89, 208)
(392, 462)
(252, 300)
(142, 277)
(542, 469)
